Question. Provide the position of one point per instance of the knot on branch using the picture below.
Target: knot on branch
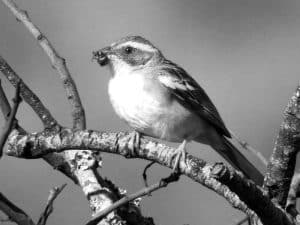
(85, 160)
(220, 171)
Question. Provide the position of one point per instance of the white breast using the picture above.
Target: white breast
(132, 101)
(149, 108)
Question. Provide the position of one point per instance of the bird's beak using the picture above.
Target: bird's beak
(101, 56)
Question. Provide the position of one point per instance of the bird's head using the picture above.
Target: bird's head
(132, 52)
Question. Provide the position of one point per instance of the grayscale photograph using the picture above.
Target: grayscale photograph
(164, 112)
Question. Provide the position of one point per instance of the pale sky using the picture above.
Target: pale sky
(244, 53)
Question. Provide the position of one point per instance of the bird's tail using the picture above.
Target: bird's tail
(239, 161)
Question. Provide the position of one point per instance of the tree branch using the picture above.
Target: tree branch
(92, 184)
(29, 97)
(4, 104)
(38, 144)
(11, 121)
(145, 191)
(246, 219)
(56, 160)
(58, 63)
(74, 164)
(54, 192)
(294, 193)
(282, 163)
(13, 212)
(89, 174)
(253, 196)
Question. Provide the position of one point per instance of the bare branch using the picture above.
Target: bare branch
(281, 167)
(37, 144)
(56, 160)
(13, 212)
(58, 63)
(249, 148)
(4, 104)
(291, 204)
(253, 196)
(246, 219)
(88, 178)
(54, 192)
(5, 108)
(28, 96)
(11, 121)
(145, 191)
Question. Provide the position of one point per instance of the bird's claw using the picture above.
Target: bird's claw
(180, 152)
(135, 141)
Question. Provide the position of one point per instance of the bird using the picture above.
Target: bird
(158, 98)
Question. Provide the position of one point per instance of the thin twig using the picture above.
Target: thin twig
(4, 104)
(13, 212)
(54, 192)
(11, 122)
(80, 176)
(145, 173)
(5, 108)
(249, 148)
(29, 97)
(243, 220)
(58, 63)
(145, 191)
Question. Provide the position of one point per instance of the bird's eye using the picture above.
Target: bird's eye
(129, 50)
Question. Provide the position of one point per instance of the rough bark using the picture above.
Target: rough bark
(80, 166)
(282, 163)
(38, 144)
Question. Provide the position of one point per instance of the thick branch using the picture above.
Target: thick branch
(73, 164)
(13, 212)
(58, 63)
(35, 145)
(294, 193)
(252, 195)
(56, 160)
(283, 160)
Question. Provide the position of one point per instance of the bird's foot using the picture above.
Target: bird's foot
(135, 141)
(179, 152)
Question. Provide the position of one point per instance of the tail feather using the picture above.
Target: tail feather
(239, 161)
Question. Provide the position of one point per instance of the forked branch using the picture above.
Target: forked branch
(282, 163)
(11, 120)
(54, 192)
(29, 97)
(13, 212)
(58, 63)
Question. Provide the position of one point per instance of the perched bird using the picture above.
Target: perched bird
(158, 98)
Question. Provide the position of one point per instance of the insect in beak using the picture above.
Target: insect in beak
(101, 56)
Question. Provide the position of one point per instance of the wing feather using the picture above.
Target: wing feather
(189, 93)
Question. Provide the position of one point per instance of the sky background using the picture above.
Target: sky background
(244, 53)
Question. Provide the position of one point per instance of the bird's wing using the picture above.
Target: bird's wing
(189, 93)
